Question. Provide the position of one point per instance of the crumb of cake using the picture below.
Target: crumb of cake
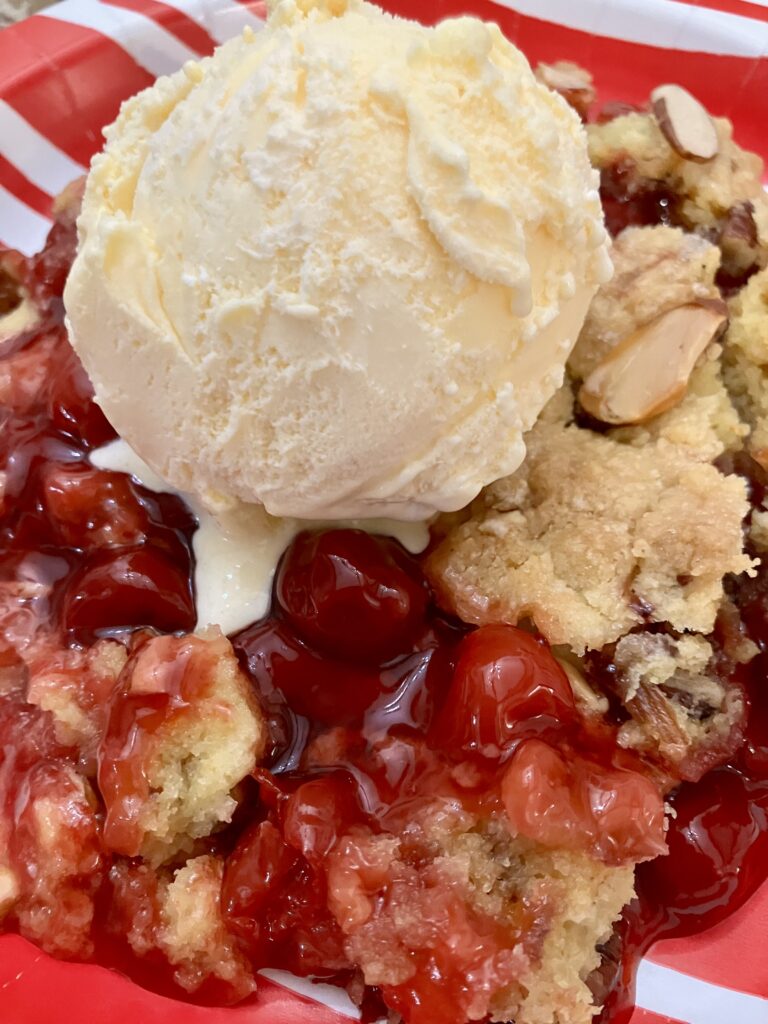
(656, 269)
(746, 361)
(184, 711)
(55, 849)
(758, 529)
(178, 914)
(524, 922)
(682, 712)
(591, 537)
(723, 196)
(67, 203)
(590, 897)
(74, 685)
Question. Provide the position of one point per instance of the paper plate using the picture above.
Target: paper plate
(63, 75)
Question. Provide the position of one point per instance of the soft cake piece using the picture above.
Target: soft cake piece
(74, 685)
(471, 873)
(179, 914)
(592, 537)
(51, 884)
(170, 781)
(587, 896)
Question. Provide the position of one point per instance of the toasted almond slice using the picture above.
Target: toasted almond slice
(686, 124)
(647, 373)
(564, 75)
(573, 82)
(589, 701)
(739, 225)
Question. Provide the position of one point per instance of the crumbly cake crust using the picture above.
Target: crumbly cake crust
(580, 541)
(746, 361)
(193, 762)
(178, 914)
(504, 877)
(722, 198)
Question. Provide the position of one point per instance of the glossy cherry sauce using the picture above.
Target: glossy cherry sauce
(377, 701)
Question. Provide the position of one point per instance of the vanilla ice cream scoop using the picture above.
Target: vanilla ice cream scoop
(337, 268)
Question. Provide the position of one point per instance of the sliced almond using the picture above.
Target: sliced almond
(686, 124)
(573, 82)
(739, 225)
(647, 373)
(589, 701)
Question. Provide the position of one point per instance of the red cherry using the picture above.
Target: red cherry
(26, 372)
(631, 201)
(277, 905)
(327, 691)
(718, 845)
(504, 679)
(48, 269)
(70, 404)
(90, 508)
(754, 753)
(318, 813)
(564, 800)
(134, 588)
(354, 596)
(255, 874)
(26, 443)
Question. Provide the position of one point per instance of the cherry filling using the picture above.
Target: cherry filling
(381, 709)
(629, 201)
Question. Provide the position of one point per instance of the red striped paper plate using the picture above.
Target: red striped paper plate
(63, 75)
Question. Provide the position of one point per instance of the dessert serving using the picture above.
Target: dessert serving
(351, 267)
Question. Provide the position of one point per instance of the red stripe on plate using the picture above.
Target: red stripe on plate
(67, 81)
(731, 955)
(14, 182)
(641, 1016)
(742, 7)
(173, 21)
(736, 87)
(36, 989)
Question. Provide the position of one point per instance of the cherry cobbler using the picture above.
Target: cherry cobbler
(469, 786)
